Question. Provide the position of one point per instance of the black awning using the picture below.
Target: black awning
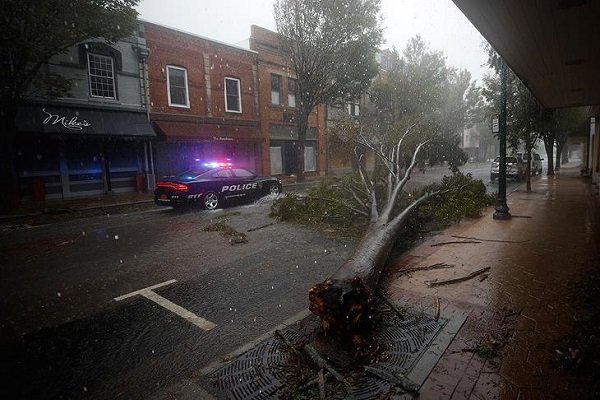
(80, 121)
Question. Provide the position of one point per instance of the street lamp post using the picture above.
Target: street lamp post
(501, 206)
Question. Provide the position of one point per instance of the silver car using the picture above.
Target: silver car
(515, 168)
(536, 163)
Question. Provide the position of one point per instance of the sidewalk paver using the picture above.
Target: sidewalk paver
(520, 313)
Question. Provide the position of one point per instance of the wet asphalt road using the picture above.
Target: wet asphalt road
(65, 337)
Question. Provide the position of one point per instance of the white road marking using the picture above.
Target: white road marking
(125, 296)
(169, 305)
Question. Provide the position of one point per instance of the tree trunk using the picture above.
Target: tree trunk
(343, 301)
(528, 171)
(549, 146)
(302, 126)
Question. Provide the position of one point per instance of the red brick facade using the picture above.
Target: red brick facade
(203, 129)
(276, 121)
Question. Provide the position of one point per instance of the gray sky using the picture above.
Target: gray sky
(439, 22)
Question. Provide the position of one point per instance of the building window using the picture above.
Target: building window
(275, 89)
(232, 95)
(102, 76)
(291, 92)
(177, 87)
(310, 158)
(353, 109)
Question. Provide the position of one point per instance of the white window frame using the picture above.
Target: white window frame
(239, 94)
(112, 77)
(187, 92)
(353, 106)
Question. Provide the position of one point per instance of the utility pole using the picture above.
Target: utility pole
(501, 206)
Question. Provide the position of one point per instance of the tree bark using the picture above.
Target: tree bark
(549, 146)
(343, 301)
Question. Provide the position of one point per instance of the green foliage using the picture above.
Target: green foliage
(329, 206)
(333, 207)
(332, 46)
(467, 199)
(32, 31)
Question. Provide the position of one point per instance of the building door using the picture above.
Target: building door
(290, 158)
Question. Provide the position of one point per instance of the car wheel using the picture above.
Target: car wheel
(274, 189)
(211, 200)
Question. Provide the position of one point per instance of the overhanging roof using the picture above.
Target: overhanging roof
(552, 45)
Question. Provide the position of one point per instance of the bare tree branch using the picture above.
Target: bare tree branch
(385, 215)
(358, 199)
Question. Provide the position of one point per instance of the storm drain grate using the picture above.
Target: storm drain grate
(260, 373)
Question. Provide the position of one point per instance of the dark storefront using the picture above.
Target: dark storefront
(70, 151)
(185, 145)
(284, 150)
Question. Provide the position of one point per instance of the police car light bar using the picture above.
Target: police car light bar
(216, 164)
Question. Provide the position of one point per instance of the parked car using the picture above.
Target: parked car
(212, 185)
(536, 163)
(515, 168)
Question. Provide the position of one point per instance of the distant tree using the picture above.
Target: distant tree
(570, 122)
(32, 31)
(421, 89)
(525, 115)
(331, 45)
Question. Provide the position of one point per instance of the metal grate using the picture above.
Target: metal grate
(260, 373)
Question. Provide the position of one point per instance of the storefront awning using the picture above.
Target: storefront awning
(188, 131)
(66, 120)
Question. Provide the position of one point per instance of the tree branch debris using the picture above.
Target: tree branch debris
(489, 240)
(404, 271)
(454, 242)
(396, 379)
(457, 280)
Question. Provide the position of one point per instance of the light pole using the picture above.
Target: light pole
(501, 206)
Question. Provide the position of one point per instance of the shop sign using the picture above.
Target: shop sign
(73, 124)
(223, 138)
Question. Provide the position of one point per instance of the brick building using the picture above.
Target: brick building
(278, 111)
(204, 101)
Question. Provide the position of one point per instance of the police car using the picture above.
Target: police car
(212, 185)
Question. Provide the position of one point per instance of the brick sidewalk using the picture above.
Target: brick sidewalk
(519, 312)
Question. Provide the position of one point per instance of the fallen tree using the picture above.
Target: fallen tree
(343, 302)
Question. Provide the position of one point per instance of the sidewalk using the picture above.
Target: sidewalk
(523, 312)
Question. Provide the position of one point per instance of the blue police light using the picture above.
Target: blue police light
(216, 164)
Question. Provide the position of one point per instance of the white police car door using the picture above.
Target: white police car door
(247, 186)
